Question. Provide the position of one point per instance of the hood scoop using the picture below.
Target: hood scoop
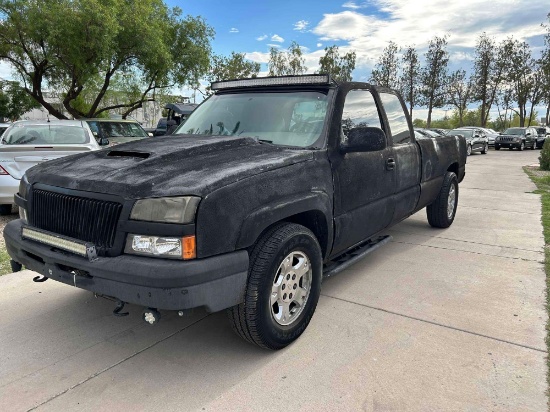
(127, 153)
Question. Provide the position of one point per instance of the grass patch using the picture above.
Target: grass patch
(5, 266)
(541, 179)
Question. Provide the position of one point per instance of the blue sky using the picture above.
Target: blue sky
(366, 27)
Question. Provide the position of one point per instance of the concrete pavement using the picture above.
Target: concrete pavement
(437, 320)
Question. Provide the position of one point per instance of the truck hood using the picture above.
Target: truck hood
(166, 166)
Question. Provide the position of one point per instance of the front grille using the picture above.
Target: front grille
(506, 139)
(90, 220)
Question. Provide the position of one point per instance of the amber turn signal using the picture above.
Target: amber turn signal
(189, 250)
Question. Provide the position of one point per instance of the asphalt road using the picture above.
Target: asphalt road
(436, 320)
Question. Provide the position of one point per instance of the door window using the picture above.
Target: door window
(396, 118)
(359, 111)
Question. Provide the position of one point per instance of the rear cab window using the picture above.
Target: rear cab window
(397, 119)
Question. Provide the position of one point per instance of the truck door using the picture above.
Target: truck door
(406, 154)
(364, 182)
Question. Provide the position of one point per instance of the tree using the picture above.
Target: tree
(339, 67)
(385, 72)
(460, 93)
(544, 63)
(78, 48)
(409, 76)
(233, 67)
(433, 76)
(490, 65)
(520, 75)
(290, 62)
(14, 101)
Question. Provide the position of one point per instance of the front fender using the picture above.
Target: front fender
(266, 215)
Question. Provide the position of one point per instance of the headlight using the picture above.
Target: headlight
(24, 186)
(159, 246)
(166, 209)
(516, 139)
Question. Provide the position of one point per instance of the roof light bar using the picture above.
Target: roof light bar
(273, 81)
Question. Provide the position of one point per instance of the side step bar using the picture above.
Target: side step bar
(349, 258)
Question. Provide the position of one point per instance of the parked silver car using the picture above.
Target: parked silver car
(3, 127)
(27, 143)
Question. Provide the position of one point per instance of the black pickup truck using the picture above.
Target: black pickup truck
(269, 185)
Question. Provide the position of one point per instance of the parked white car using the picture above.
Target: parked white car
(27, 143)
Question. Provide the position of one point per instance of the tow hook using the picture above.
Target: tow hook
(119, 306)
(151, 316)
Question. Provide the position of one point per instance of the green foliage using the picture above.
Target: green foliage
(544, 158)
(433, 76)
(460, 93)
(386, 70)
(290, 62)
(408, 81)
(233, 67)
(78, 48)
(14, 101)
(339, 67)
(419, 123)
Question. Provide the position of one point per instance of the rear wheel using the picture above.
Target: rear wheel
(284, 284)
(441, 213)
(5, 210)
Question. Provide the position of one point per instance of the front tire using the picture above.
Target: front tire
(485, 149)
(497, 147)
(441, 213)
(469, 150)
(5, 210)
(283, 288)
(521, 146)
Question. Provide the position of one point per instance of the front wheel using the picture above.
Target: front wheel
(469, 150)
(497, 147)
(533, 147)
(521, 146)
(5, 210)
(283, 288)
(441, 213)
(485, 149)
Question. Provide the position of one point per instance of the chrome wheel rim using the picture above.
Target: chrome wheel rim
(451, 200)
(469, 150)
(291, 288)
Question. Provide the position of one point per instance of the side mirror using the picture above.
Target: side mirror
(527, 134)
(364, 139)
(476, 135)
(103, 141)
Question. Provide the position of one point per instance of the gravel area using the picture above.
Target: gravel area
(4, 257)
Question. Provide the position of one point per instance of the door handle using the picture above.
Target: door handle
(390, 163)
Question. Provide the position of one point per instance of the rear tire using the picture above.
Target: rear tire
(5, 210)
(279, 265)
(441, 213)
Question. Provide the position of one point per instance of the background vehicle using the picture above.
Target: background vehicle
(27, 143)
(161, 127)
(543, 133)
(116, 131)
(442, 132)
(517, 137)
(3, 127)
(428, 132)
(476, 139)
(490, 133)
(177, 114)
(269, 185)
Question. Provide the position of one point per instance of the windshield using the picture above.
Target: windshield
(118, 132)
(463, 132)
(45, 134)
(517, 132)
(282, 118)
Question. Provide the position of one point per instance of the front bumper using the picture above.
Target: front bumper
(215, 283)
(8, 188)
(508, 144)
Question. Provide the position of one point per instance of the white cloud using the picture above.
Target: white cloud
(277, 46)
(262, 37)
(277, 38)
(258, 57)
(463, 21)
(233, 30)
(301, 25)
(353, 5)
(319, 44)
